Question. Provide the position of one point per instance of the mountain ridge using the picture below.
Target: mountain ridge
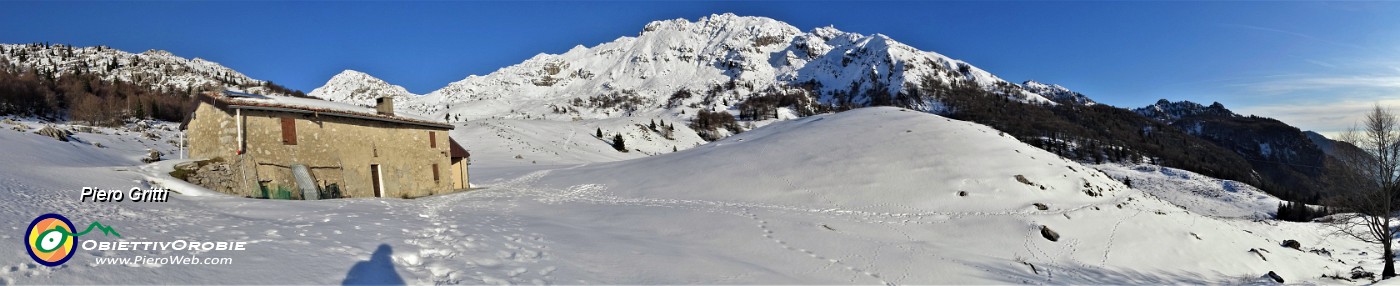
(158, 69)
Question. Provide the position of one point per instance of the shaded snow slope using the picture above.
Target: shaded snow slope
(869, 196)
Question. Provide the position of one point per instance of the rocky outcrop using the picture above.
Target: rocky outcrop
(214, 174)
(55, 133)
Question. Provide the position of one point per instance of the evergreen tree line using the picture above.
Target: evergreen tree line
(1300, 212)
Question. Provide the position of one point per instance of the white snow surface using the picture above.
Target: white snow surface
(869, 196)
(1197, 193)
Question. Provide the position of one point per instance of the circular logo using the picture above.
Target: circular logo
(49, 240)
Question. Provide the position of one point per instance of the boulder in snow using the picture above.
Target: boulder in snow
(1292, 244)
(1273, 276)
(1049, 234)
(55, 133)
(151, 156)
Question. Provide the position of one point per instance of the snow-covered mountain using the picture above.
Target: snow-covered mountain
(358, 88)
(1057, 93)
(155, 69)
(715, 63)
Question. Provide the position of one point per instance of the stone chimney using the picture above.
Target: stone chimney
(384, 106)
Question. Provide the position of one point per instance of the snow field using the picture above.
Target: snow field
(861, 197)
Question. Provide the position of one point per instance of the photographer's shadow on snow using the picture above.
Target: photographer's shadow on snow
(378, 270)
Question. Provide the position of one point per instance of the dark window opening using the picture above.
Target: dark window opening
(435, 173)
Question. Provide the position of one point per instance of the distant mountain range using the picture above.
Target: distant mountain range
(760, 69)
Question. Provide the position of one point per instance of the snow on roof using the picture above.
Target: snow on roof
(288, 103)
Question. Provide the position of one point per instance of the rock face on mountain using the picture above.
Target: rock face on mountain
(358, 88)
(1169, 112)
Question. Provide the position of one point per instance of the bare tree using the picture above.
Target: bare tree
(1373, 165)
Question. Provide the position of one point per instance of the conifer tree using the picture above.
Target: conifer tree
(618, 144)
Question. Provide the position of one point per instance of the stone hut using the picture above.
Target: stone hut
(291, 147)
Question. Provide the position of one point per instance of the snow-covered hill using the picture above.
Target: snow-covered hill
(870, 196)
(358, 88)
(156, 69)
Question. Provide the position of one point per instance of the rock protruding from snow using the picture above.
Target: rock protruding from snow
(55, 133)
(1274, 276)
(358, 88)
(1049, 234)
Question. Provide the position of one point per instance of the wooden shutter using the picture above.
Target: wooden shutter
(435, 173)
(432, 140)
(289, 130)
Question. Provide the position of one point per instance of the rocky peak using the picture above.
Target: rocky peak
(1168, 111)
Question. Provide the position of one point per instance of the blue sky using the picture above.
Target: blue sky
(1312, 64)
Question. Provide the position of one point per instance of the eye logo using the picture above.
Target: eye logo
(50, 238)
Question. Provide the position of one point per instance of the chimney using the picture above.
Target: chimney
(384, 106)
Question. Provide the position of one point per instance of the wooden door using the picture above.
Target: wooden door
(374, 176)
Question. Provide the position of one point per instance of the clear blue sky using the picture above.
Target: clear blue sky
(1308, 63)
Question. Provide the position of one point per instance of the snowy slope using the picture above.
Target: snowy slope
(156, 69)
(1057, 93)
(358, 88)
(1197, 193)
(869, 196)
